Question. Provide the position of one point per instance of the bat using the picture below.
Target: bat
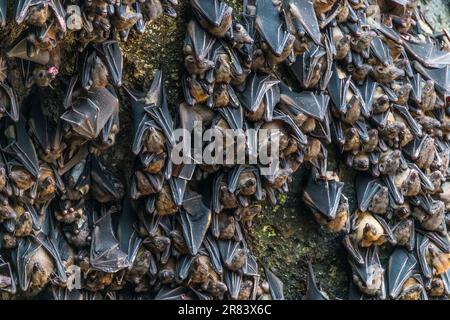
(195, 220)
(401, 266)
(105, 253)
(323, 195)
(312, 291)
(271, 26)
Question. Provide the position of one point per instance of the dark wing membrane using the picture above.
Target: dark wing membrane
(156, 106)
(305, 102)
(127, 235)
(303, 12)
(271, 26)
(440, 76)
(255, 90)
(195, 220)
(59, 12)
(428, 54)
(22, 149)
(366, 188)
(11, 106)
(7, 282)
(168, 293)
(111, 53)
(312, 291)
(401, 266)
(338, 88)
(323, 195)
(367, 90)
(200, 40)
(275, 285)
(105, 252)
(381, 50)
(3, 8)
(212, 10)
